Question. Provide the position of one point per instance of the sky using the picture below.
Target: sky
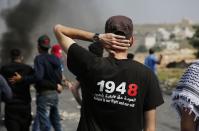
(142, 11)
(152, 11)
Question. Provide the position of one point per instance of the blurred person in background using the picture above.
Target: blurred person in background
(72, 86)
(18, 109)
(5, 93)
(5, 90)
(151, 60)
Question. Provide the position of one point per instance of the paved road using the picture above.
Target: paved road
(166, 117)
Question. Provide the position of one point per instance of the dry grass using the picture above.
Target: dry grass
(169, 77)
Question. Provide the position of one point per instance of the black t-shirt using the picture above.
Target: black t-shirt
(116, 93)
(21, 90)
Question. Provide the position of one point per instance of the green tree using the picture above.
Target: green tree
(194, 41)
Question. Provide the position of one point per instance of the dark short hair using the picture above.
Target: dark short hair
(151, 51)
(130, 56)
(120, 25)
(15, 54)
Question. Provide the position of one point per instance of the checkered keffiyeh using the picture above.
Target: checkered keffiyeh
(186, 93)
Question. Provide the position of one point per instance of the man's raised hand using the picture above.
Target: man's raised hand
(116, 42)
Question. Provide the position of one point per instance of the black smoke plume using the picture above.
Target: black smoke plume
(20, 21)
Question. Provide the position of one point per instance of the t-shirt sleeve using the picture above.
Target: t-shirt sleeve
(153, 97)
(80, 61)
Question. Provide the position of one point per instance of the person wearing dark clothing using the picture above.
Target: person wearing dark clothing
(18, 109)
(47, 76)
(5, 91)
(118, 94)
(47, 73)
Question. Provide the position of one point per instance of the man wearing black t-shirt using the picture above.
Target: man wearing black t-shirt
(18, 109)
(118, 94)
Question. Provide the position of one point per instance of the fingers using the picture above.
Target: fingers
(16, 78)
(59, 88)
(119, 40)
(69, 85)
(122, 43)
(17, 74)
(12, 80)
(118, 47)
(59, 85)
(119, 36)
(115, 42)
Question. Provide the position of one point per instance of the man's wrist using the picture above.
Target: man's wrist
(96, 37)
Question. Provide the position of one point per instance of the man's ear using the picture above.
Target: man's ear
(132, 40)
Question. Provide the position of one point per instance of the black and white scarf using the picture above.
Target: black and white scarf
(186, 93)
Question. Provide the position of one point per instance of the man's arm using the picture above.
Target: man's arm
(75, 87)
(7, 93)
(150, 120)
(65, 36)
(36, 76)
(187, 120)
(159, 60)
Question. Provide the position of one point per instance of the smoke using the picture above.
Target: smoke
(75, 13)
(32, 18)
(20, 21)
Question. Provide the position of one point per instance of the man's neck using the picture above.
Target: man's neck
(120, 55)
(17, 61)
